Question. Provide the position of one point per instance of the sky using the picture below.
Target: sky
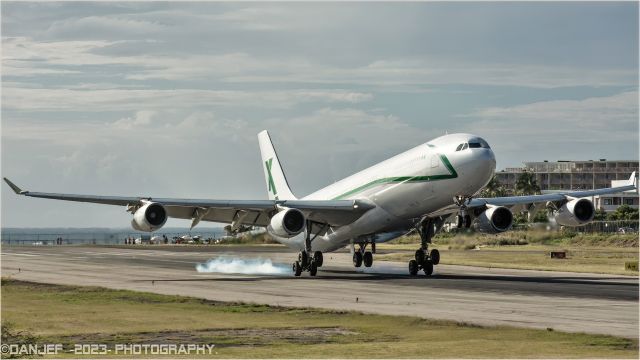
(166, 99)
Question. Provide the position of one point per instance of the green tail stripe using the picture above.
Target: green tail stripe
(272, 185)
(401, 179)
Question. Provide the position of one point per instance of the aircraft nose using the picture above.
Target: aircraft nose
(485, 163)
(490, 158)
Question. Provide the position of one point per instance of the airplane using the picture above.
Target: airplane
(417, 190)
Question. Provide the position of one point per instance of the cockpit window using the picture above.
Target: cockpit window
(473, 144)
(478, 143)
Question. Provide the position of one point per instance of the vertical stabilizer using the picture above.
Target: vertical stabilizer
(277, 185)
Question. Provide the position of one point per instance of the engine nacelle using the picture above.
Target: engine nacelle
(150, 217)
(575, 213)
(495, 219)
(287, 223)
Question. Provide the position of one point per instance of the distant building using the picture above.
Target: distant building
(610, 202)
(579, 175)
(571, 175)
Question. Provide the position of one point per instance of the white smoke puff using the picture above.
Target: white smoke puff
(234, 265)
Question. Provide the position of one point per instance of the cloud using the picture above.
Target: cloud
(115, 25)
(141, 119)
(570, 120)
(23, 56)
(420, 71)
(591, 128)
(43, 99)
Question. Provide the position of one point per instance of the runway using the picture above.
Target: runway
(603, 304)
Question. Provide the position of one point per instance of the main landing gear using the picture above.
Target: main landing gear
(425, 260)
(361, 256)
(308, 260)
(307, 263)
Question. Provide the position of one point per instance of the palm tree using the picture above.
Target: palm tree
(527, 184)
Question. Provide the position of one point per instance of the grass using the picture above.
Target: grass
(595, 253)
(69, 315)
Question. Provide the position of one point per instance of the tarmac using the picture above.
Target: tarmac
(573, 302)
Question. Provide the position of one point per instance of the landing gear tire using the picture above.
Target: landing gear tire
(420, 256)
(428, 268)
(459, 221)
(413, 268)
(303, 258)
(435, 256)
(357, 259)
(317, 258)
(368, 259)
(297, 269)
(313, 269)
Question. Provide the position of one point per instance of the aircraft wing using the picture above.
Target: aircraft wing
(530, 200)
(239, 212)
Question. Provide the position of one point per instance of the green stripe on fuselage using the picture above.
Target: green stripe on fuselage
(401, 179)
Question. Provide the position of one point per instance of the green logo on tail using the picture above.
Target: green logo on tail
(272, 185)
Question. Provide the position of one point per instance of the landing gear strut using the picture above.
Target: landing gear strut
(425, 260)
(308, 260)
(463, 219)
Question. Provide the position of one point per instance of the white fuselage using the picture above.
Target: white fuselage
(403, 188)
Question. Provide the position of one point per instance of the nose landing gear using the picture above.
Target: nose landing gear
(463, 219)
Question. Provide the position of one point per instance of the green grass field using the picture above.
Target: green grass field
(595, 253)
(70, 315)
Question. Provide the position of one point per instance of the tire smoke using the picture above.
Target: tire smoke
(234, 265)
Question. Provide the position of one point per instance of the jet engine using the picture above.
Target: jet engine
(287, 223)
(495, 219)
(150, 217)
(575, 212)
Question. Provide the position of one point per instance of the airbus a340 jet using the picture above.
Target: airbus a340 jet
(416, 190)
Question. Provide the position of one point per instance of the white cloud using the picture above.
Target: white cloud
(43, 99)
(115, 25)
(141, 119)
(582, 120)
(561, 129)
(24, 56)
(438, 72)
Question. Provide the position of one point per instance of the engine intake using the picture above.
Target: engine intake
(150, 217)
(495, 219)
(575, 212)
(287, 223)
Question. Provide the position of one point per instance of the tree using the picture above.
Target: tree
(527, 184)
(493, 189)
(624, 212)
(600, 215)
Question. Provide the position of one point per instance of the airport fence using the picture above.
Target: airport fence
(617, 226)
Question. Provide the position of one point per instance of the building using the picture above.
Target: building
(571, 175)
(610, 202)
